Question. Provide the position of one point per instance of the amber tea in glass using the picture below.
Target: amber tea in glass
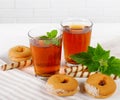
(45, 54)
(76, 37)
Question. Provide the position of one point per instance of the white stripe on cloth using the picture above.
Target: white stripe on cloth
(18, 85)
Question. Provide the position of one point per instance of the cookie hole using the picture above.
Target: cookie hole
(19, 49)
(64, 81)
(102, 83)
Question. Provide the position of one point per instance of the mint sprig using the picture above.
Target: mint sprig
(52, 34)
(51, 38)
(98, 59)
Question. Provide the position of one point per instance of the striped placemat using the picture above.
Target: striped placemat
(19, 85)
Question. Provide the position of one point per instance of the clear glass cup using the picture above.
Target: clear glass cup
(76, 37)
(46, 53)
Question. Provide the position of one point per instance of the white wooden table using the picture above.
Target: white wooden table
(23, 85)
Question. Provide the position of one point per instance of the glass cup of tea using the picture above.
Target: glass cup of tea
(76, 37)
(46, 51)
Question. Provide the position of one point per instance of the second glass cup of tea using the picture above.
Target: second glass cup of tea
(46, 52)
(76, 37)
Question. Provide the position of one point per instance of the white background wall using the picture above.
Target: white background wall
(27, 11)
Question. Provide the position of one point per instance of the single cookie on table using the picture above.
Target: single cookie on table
(100, 86)
(62, 85)
(19, 53)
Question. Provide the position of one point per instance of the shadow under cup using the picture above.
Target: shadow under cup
(46, 53)
(76, 37)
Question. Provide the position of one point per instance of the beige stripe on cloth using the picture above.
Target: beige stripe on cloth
(18, 85)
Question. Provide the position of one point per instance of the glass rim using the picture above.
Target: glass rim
(33, 37)
(74, 19)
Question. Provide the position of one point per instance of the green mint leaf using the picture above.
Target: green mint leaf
(51, 38)
(91, 50)
(52, 34)
(43, 37)
(86, 59)
(103, 65)
(98, 59)
(48, 34)
(114, 66)
(100, 53)
(56, 41)
(82, 58)
(53, 41)
(47, 42)
(93, 66)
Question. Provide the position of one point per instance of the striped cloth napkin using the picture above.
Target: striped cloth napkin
(19, 85)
